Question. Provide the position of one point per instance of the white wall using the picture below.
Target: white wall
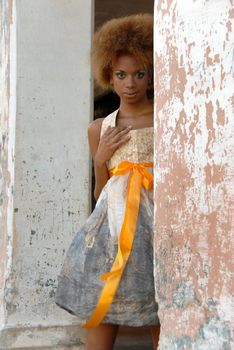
(51, 174)
(194, 152)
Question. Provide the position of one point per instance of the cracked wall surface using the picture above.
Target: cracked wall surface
(194, 152)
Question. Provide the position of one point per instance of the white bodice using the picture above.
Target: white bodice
(139, 149)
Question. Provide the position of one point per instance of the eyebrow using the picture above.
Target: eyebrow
(123, 71)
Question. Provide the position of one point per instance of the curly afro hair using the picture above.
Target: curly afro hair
(131, 35)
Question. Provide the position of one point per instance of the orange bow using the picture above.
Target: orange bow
(139, 176)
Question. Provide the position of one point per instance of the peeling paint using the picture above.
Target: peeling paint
(194, 190)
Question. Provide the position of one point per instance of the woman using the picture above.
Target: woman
(107, 277)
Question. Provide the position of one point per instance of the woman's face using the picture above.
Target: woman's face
(129, 79)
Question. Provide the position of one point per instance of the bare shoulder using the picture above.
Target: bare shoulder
(94, 128)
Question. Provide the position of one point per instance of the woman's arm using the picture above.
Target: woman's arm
(103, 149)
(100, 169)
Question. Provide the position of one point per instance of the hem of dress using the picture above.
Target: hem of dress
(106, 321)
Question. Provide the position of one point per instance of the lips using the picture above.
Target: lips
(130, 94)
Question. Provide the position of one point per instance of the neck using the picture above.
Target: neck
(136, 109)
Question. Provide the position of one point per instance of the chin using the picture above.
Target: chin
(132, 99)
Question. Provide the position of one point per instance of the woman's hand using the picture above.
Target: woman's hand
(111, 140)
(103, 149)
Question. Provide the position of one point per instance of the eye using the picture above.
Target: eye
(140, 74)
(120, 74)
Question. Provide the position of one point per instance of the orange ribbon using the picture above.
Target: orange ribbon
(139, 176)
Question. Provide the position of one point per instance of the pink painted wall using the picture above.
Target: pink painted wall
(194, 166)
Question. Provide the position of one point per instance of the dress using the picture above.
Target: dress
(94, 247)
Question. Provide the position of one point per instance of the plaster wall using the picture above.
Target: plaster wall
(47, 105)
(194, 152)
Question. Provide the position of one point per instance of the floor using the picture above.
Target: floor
(134, 339)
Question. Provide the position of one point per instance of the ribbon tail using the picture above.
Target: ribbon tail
(125, 245)
(147, 179)
(116, 267)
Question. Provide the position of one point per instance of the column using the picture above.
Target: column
(47, 105)
(194, 172)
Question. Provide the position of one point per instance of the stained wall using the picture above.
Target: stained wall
(46, 90)
(194, 152)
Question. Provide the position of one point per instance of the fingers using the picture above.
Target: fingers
(124, 131)
(112, 139)
(118, 136)
(121, 141)
(115, 134)
(115, 130)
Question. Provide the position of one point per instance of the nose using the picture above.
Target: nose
(130, 81)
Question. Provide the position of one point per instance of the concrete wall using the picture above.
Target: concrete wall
(194, 172)
(47, 105)
(45, 109)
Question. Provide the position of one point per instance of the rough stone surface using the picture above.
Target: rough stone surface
(45, 91)
(194, 172)
(46, 108)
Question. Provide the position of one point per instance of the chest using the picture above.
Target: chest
(139, 149)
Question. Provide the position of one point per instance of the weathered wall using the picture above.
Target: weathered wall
(194, 172)
(7, 109)
(46, 95)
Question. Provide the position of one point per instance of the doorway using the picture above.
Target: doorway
(105, 103)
